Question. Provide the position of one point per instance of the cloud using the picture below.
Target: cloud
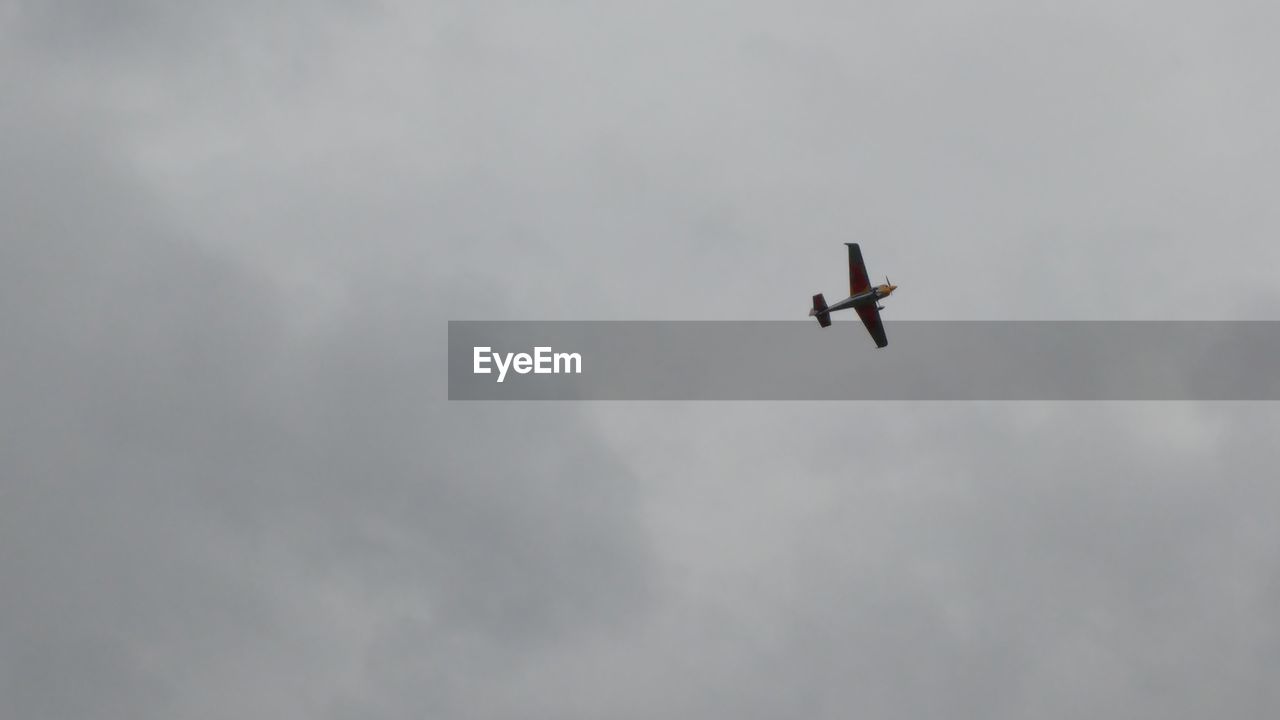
(986, 560)
(206, 513)
(231, 485)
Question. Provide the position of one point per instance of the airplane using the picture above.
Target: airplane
(863, 298)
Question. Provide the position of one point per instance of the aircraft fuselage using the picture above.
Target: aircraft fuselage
(870, 297)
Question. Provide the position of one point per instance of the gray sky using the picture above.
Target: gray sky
(230, 485)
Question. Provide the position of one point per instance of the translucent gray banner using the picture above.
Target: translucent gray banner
(945, 360)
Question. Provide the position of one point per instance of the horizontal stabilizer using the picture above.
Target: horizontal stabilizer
(820, 310)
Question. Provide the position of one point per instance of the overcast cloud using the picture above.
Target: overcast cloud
(230, 485)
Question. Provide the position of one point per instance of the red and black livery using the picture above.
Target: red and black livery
(863, 298)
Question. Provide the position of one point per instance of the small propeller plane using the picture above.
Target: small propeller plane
(863, 298)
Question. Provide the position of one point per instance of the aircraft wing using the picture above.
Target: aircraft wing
(871, 318)
(858, 280)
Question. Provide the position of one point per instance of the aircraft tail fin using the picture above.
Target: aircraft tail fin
(820, 310)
